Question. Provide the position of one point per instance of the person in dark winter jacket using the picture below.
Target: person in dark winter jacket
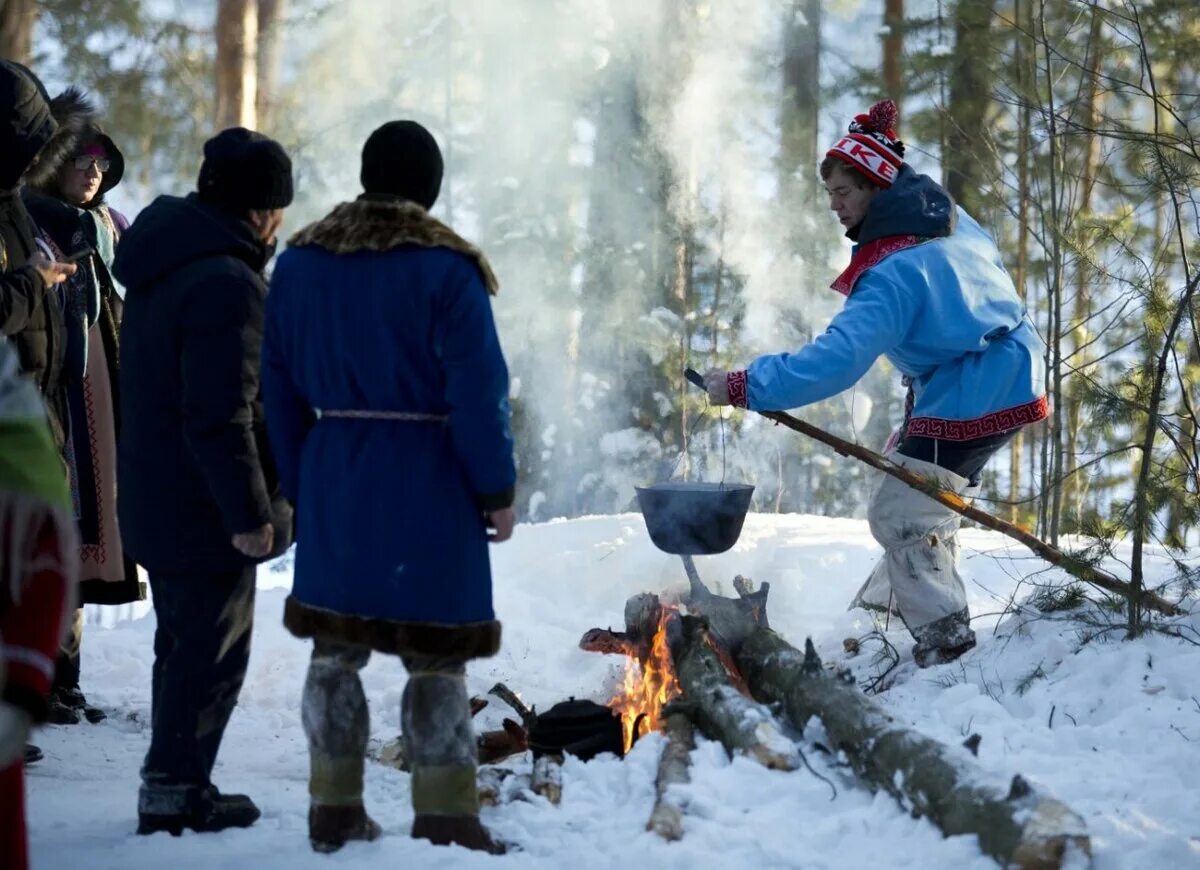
(926, 287)
(32, 147)
(197, 494)
(72, 220)
(30, 141)
(387, 404)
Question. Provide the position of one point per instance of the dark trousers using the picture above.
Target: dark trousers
(964, 458)
(201, 648)
(66, 668)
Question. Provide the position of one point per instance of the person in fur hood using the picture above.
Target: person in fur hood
(32, 143)
(72, 218)
(386, 394)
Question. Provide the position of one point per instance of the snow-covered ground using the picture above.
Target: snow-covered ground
(1112, 729)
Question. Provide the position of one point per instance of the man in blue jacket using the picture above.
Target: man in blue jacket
(925, 287)
(387, 404)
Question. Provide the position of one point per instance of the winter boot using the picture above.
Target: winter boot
(466, 831)
(928, 656)
(330, 827)
(75, 699)
(59, 712)
(207, 811)
(32, 754)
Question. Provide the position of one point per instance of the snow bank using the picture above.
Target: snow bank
(1113, 729)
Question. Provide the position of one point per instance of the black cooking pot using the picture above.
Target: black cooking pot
(582, 728)
(694, 519)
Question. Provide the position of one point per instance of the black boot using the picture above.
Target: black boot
(32, 754)
(75, 699)
(331, 827)
(208, 811)
(59, 712)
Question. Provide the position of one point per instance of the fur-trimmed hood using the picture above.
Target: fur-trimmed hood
(376, 223)
(74, 107)
(73, 112)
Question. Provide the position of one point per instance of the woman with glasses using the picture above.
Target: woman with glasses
(75, 224)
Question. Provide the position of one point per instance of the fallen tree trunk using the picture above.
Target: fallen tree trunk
(1020, 829)
(674, 768)
(1073, 566)
(715, 703)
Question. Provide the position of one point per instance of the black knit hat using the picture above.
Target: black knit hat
(402, 158)
(244, 170)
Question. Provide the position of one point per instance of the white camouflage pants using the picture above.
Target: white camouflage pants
(917, 577)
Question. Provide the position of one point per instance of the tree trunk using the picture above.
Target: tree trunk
(1074, 487)
(17, 18)
(1024, 155)
(967, 160)
(237, 63)
(270, 49)
(1021, 829)
(893, 51)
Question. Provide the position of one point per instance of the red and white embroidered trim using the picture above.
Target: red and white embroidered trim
(871, 254)
(736, 382)
(875, 160)
(980, 427)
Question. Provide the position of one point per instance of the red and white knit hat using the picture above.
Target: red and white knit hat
(872, 146)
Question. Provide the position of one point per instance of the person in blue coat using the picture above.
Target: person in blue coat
(386, 395)
(926, 287)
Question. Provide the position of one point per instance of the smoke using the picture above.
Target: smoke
(518, 94)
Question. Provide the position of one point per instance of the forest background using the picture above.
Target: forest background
(643, 175)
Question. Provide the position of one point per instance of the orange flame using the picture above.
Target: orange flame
(647, 687)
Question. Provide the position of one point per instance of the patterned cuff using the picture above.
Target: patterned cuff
(736, 382)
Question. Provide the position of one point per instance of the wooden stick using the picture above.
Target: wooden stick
(673, 768)
(1076, 568)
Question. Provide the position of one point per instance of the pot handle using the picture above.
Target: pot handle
(695, 377)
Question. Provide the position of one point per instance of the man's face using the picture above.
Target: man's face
(266, 222)
(80, 179)
(847, 199)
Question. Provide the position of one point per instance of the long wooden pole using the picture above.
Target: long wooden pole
(1075, 567)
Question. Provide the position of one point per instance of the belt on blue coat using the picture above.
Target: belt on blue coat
(406, 416)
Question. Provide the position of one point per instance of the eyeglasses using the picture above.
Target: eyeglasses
(84, 161)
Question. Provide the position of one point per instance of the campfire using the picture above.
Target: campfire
(649, 685)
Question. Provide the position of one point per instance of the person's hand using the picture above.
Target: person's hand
(500, 525)
(717, 383)
(51, 272)
(15, 723)
(255, 544)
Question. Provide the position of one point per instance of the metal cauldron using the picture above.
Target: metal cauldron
(694, 519)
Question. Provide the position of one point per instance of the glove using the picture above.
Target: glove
(15, 723)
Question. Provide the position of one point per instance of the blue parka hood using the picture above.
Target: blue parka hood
(915, 205)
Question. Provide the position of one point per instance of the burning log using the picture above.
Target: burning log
(680, 656)
(717, 704)
(673, 769)
(1022, 829)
